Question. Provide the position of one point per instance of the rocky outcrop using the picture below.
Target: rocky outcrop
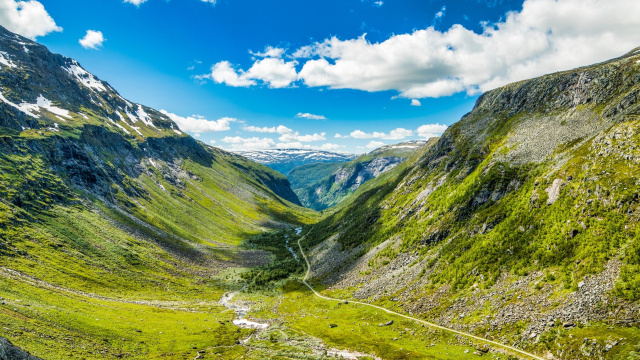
(8, 351)
(345, 181)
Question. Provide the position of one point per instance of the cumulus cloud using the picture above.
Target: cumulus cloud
(289, 136)
(544, 37)
(415, 102)
(27, 18)
(431, 130)
(269, 51)
(378, 3)
(254, 143)
(396, 134)
(299, 145)
(92, 40)
(224, 73)
(135, 2)
(198, 124)
(375, 144)
(274, 72)
(259, 129)
(310, 116)
(138, 2)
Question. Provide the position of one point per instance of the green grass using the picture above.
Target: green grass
(358, 328)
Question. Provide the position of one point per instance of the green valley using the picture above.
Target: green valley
(514, 235)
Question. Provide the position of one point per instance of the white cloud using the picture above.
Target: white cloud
(196, 135)
(299, 145)
(330, 146)
(259, 129)
(224, 73)
(135, 2)
(92, 40)
(544, 37)
(415, 102)
(212, 142)
(310, 116)
(440, 14)
(296, 137)
(138, 2)
(254, 143)
(396, 134)
(378, 3)
(431, 130)
(375, 144)
(269, 51)
(27, 18)
(289, 136)
(199, 124)
(276, 73)
(339, 136)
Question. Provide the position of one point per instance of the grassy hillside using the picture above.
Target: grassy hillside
(524, 214)
(117, 229)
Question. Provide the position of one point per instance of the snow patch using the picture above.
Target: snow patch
(144, 117)
(4, 60)
(84, 77)
(130, 116)
(25, 110)
(137, 129)
(45, 103)
(84, 116)
(177, 132)
(120, 116)
(125, 101)
(120, 126)
(153, 163)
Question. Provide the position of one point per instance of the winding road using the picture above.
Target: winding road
(432, 325)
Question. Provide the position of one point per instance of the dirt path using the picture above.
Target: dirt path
(432, 325)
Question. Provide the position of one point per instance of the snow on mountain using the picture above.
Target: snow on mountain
(283, 160)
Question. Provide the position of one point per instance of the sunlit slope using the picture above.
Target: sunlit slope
(524, 213)
(113, 222)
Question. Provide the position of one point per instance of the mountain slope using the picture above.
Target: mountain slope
(109, 214)
(320, 186)
(522, 217)
(283, 160)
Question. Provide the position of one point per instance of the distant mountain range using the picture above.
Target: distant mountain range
(320, 186)
(283, 160)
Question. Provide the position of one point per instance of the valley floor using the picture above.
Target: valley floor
(283, 320)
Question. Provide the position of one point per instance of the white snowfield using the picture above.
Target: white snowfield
(41, 103)
(84, 77)
(4, 60)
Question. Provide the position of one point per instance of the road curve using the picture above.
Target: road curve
(432, 325)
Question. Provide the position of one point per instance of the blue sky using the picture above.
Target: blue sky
(200, 60)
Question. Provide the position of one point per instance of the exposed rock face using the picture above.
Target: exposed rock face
(344, 181)
(8, 351)
(554, 191)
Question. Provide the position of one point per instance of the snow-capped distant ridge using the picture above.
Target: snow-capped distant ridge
(284, 160)
(279, 155)
(407, 145)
